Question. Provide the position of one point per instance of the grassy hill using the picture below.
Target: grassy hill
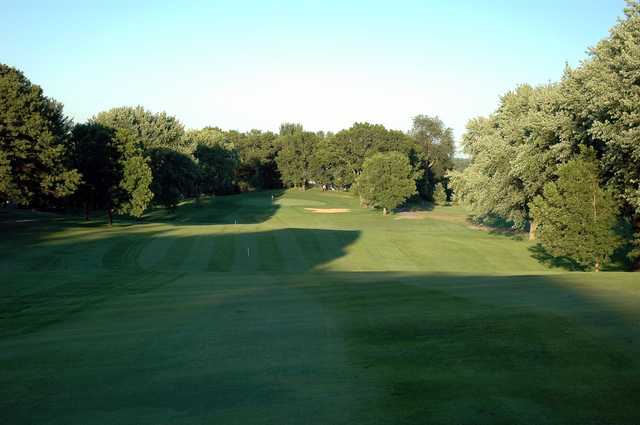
(256, 309)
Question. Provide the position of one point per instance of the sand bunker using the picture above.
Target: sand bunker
(328, 210)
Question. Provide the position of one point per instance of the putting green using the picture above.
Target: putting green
(244, 309)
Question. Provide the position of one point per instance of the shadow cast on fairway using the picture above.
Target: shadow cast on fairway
(246, 208)
(77, 272)
(233, 327)
(545, 257)
(385, 347)
(489, 349)
(416, 205)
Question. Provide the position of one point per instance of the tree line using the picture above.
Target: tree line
(562, 160)
(126, 159)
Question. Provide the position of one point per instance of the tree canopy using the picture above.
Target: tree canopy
(576, 216)
(387, 180)
(150, 130)
(436, 149)
(297, 148)
(33, 131)
(516, 151)
(116, 174)
(175, 177)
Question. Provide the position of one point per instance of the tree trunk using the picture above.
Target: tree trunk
(384, 211)
(533, 228)
(86, 210)
(597, 266)
(110, 214)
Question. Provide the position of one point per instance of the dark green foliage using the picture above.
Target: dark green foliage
(93, 152)
(218, 159)
(602, 99)
(218, 165)
(386, 181)
(297, 149)
(150, 130)
(436, 146)
(576, 216)
(116, 174)
(258, 168)
(175, 177)
(339, 158)
(135, 193)
(33, 130)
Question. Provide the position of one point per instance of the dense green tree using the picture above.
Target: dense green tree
(93, 152)
(258, 168)
(207, 136)
(437, 147)
(350, 147)
(297, 149)
(33, 131)
(218, 165)
(440, 194)
(387, 180)
(135, 193)
(217, 160)
(116, 174)
(150, 130)
(175, 177)
(513, 153)
(324, 164)
(576, 216)
(602, 97)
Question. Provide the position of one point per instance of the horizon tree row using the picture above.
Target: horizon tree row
(126, 159)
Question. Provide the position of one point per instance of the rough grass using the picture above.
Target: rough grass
(249, 309)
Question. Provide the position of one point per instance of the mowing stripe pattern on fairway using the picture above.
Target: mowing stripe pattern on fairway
(250, 309)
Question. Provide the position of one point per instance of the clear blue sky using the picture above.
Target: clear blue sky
(242, 65)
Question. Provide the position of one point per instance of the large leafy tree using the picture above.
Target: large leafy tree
(297, 149)
(437, 148)
(93, 152)
(116, 173)
(175, 177)
(602, 97)
(387, 180)
(217, 158)
(258, 168)
(33, 130)
(218, 165)
(349, 148)
(513, 153)
(150, 130)
(576, 216)
(326, 163)
(135, 193)
(208, 136)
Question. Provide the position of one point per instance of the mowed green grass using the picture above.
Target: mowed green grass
(247, 309)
